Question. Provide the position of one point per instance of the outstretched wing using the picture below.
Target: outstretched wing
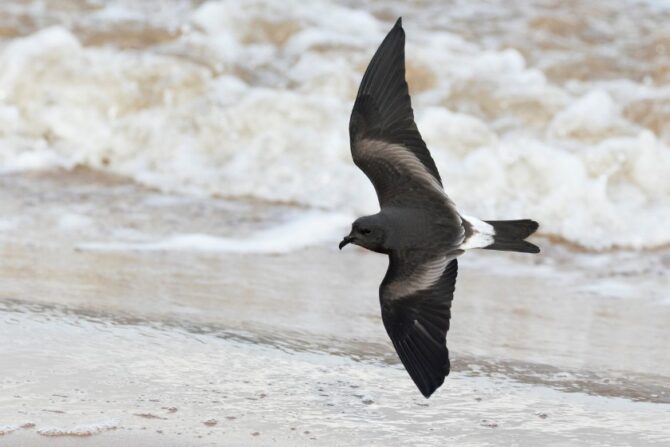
(416, 297)
(385, 142)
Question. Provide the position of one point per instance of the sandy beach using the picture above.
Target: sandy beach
(188, 347)
(175, 178)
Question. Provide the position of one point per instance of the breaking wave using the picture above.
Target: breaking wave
(253, 99)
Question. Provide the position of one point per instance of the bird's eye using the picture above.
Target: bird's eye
(365, 231)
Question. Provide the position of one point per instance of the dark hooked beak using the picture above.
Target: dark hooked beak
(345, 241)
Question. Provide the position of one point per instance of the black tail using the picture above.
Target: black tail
(510, 234)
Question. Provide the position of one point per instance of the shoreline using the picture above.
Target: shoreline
(167, 387)
(116, 330)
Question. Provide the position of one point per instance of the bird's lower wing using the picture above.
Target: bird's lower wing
(416, 301)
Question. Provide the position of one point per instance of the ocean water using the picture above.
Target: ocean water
(175, 177)
(529, 108)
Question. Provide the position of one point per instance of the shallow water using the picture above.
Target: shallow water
(169, 387)
(558, 348)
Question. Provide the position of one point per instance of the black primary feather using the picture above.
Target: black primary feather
(383, 108)
(417, 325)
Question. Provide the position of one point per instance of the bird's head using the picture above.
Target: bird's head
(366, 232)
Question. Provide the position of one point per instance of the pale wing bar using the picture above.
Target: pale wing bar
(394, 171)
(423, 277)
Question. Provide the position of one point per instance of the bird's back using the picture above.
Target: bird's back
(420, 228)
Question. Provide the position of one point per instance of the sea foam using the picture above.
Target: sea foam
(309, 229)
(253, 100)
(80, 430)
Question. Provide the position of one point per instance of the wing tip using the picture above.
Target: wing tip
(427, 375)
(428, 392)
(429, 388)
(398, 23)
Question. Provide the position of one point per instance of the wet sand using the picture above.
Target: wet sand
(185, 347)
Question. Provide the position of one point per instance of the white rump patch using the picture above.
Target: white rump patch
(482, 234)
(422, 278)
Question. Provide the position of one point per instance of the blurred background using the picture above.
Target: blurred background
(175, 177)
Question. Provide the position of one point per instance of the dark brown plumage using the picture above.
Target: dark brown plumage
(418, 226)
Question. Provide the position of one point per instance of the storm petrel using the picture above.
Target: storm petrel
(418, 226)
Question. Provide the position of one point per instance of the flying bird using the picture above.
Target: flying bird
(418, 226)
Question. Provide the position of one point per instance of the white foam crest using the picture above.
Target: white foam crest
(306, 230)
(253, 100)
(529, 178)
(7, 429)
(80, 430)
(592, 114)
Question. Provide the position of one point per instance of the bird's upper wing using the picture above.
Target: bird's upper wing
(385, 142)
(415, 298)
